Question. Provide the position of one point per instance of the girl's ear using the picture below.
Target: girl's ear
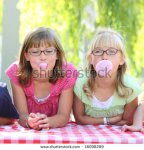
(56, 57)
(90, 59)
(122, 60)
(26, 56)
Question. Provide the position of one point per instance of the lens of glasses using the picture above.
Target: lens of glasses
(99, 52)
(111, 51)
(48, 51)
(35, 52)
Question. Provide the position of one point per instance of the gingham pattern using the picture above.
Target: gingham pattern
(72, 133)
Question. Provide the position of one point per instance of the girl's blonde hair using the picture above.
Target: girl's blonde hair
(36, 38)
(107, 37)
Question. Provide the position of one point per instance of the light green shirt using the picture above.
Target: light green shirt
(118, 103)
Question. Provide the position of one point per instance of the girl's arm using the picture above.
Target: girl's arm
(137, 121)
(129, 111)
(81, 118)
(5, 121)
(63, 114)
(20, 102)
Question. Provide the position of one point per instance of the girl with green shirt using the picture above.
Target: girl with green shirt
(104, 94)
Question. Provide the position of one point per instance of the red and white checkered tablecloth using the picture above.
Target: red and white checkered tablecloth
(72, 133)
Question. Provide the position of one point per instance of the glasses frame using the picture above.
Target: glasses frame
(105, 51)
(43, 51)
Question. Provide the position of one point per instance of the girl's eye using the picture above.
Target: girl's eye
(35, 52)
(98, 51)
(49, 51)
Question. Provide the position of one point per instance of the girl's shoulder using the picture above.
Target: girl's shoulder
(69, 67)
(80, 82)
(11, 72)
(70, 71)
(12, 67)
(69, 78)
(82, 78)
(132, 83)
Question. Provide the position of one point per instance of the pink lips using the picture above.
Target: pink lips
(103, 68)
(43, 65)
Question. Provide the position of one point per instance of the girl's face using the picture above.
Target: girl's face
(107, 53)
(43, 54)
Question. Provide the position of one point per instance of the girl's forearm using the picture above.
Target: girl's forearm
(91, 120)
(23, 120)
(122, 122)
(59, 120)
(84, 120)
(139, 115)
(5, 121)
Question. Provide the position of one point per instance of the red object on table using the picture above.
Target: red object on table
(71, 134)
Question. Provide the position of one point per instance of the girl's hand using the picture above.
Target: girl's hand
(44, 123)
(115, 119)
(132, 128)
(33, 120)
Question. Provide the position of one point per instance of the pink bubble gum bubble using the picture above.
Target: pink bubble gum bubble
(43, 65)
(103, 67)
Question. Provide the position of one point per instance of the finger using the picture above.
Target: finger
(33, 115)
(43, 121)
(33, 124)
(128, 128)
(44, 126)
(124, 128)
(33, 120)
(42, 116)
(133, 128)
(142, 130)
(38, 114)
(36, 127)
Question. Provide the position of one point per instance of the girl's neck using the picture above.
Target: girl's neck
(41, 80)
(105, 82)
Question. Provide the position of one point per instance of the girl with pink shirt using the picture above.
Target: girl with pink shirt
(42, 81)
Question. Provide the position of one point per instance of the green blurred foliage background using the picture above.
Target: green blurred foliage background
(1, 15)
(77, 20)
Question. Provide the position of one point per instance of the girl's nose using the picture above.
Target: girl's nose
(42, 56)
(104, 56)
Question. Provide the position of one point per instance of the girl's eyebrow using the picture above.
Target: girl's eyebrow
(44, 48)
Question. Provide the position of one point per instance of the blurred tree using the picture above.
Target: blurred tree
(76, 22)
(125, 17)
(64, 16)
(1, 14)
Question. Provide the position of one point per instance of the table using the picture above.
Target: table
(71, 134)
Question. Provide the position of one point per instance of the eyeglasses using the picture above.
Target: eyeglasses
(37, 52)
(99, 51)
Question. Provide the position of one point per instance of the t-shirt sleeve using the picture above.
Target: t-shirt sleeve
(71, 75)
(131, 82)
(7, 108)
(11, 72)
(78, 88)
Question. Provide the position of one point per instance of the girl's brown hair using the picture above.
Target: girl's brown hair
(36, 38)
(107, 38)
